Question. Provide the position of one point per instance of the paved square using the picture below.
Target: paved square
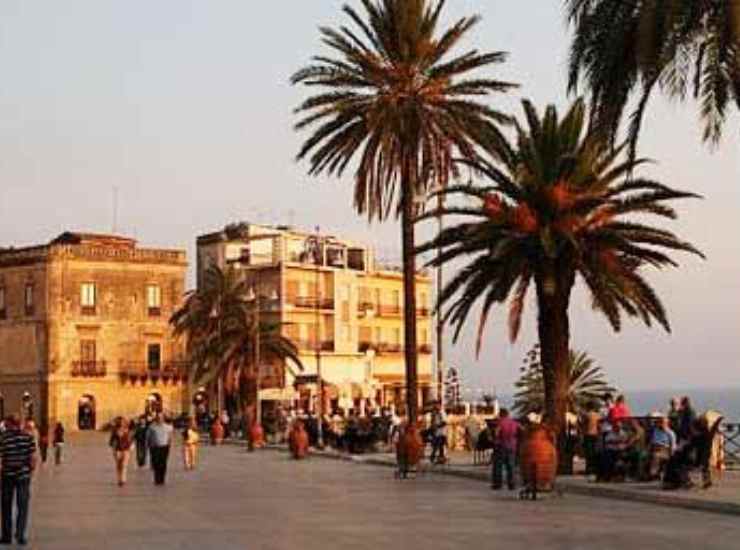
(265, 501)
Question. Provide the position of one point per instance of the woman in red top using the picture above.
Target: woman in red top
(619, 411)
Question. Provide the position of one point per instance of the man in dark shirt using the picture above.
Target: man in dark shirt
(17, 462)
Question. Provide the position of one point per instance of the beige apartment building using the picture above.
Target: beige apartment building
(338, 304)
(84, 332)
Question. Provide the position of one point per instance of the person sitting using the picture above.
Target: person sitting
(662, 447)
(616, 442)
(636, 454)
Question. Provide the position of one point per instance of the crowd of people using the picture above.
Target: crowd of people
(663, 446)
(152, 436)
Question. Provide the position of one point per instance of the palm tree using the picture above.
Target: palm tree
(220, 328)
(561, 206)
(202, 320)
(586, 384)
(394, 98)
(625, 50)
(240, 364)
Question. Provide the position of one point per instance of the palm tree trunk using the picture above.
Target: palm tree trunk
(553, 297)
(409, 296)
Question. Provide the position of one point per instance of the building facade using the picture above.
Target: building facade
(342, 308)
(84, 332)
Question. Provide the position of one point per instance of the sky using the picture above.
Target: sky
(183, 110)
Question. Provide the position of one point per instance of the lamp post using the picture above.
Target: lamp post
(320, 382)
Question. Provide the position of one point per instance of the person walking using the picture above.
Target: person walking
(120, 443)
(18, 461)
(44, 442)
(506, 437)
(190, 440)
(159, 437)
(58, 443)
(140, 439)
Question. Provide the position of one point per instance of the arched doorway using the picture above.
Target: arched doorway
(86, 412)
(153, 404)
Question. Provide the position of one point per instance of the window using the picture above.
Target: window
(88, 352)
(88, 298)
(154, 356)
(2, 302)
(397, 336)
(346, 333)
(154, 300)
(378, 335)
(29, 299)
(397, 298)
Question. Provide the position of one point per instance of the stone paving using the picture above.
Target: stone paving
(264, 500)
(722, 497)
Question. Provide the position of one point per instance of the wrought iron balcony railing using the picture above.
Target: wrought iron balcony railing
(89, 369)
(169, 370)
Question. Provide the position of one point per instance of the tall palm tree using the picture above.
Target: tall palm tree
(625, 50)
(586, 384)
(396, 99)
(562, 205)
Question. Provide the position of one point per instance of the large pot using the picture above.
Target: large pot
(410, 448)
(217, 432)
(298, 441)
(539, 458)
(257, 435)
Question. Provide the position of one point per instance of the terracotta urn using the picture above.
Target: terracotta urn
(539, 458)
(217, 432)
(257, 435)
(410, 447)
(298, 441)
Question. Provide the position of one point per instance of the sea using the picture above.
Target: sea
(643, 402)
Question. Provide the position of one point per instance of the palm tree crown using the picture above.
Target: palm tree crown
(559, 207)
(395, 98)
(220, 326)
(391, 97)
(625, 50)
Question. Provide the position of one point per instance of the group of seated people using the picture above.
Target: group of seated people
(659, 447)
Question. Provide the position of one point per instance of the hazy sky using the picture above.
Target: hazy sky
(185, 107)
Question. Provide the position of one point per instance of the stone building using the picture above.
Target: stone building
(84, 332)
(342, 308)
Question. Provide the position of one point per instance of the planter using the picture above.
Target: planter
(257, 436)
(539, 459)
(409, 450)
(298, 441)
(217, 432)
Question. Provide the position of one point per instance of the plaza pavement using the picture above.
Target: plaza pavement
(264, 500)
(723, 497)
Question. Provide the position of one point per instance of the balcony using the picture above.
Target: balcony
(154, 311)
(425, 349)
(385, 347)
(422, 312)
(310, 345)
(88, 310)
(311, 302)
(89, 369)
(388, 310)
(171, 370)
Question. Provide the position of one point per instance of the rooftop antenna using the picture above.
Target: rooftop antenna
(114, 229)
